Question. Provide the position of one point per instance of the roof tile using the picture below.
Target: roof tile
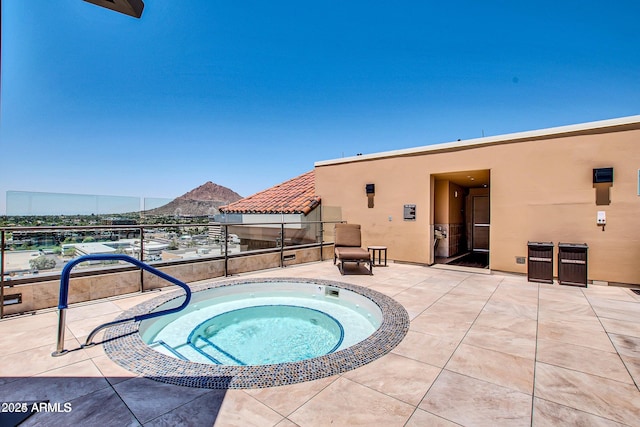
(296, 195)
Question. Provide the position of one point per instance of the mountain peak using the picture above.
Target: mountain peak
(212, 192)
(202, 200)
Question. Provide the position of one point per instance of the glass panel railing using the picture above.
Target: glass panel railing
(26, 203)
(31, 252)
(44, 250)
(42, 231)
(150, 204)
(35, 254)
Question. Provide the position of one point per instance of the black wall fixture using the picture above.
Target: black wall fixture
(370, 190)
(602, 175)
(602, 181)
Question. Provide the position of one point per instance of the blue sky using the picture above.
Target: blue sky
(249, 94)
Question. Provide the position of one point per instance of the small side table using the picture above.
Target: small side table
(379, 250)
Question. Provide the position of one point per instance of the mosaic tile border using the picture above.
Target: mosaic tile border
(123, 344)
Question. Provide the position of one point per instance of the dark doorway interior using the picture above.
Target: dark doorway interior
(462, 219)
(471, 259)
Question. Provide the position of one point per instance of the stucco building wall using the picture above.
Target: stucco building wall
(541, 189)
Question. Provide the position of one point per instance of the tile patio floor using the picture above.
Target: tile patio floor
(482, 350)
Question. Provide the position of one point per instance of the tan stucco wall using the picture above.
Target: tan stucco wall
(541, 190)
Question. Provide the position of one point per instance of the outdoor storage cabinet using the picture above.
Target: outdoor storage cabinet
(540, 262)
(572, 264)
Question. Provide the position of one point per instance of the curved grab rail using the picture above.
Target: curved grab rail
(64, 295)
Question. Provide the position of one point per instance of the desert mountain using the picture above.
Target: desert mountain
(203, 200)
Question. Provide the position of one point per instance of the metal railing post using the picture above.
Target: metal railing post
(141, 258)
(226, 250)
(62, 316)
(2, 274)
(321, 240)
(282, 244)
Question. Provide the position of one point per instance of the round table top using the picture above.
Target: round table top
(376, 247)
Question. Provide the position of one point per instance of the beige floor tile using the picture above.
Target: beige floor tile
(514, 296)
(389, 289)
(614, 309)
(520, 325)
(83, 327)
(448, 328)
(422, 418)
(126, 303)
(444, 282)
(346, 403)
(416, 302)
(83, 368)
(502, 340)
(95, 350)
(568, 333)
(474, 289)
(626, 345)
(286, 423)
(549, 414)
(436, 286)
(426, 348)
(286, 399)
(38, 360)
(568, 294)
(589, 323)
(112, 372)
(84, 311)
(460, 310)
(621, 327)
(28, 322)
(520, 285)
(404, 379)
(595, 395)
(395, 280)
(595, 362)
(424, 292)
(471, 402)
(564, 309)
(16, 339)
(528, 311)
(239, 409)
(629, 349)
(495, 367)
(462, 302)
(610, 292)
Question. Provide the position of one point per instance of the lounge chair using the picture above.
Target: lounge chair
(348, 246)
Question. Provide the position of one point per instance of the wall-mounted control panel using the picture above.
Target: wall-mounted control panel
(409, 212)
(601, 219)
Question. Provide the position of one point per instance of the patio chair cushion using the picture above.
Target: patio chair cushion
(352, 254)
(347, 235)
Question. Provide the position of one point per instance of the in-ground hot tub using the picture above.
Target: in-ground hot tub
(258, 333)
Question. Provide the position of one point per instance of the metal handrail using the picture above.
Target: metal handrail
(64, 296)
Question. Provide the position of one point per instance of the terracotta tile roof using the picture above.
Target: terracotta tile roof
(296, 195)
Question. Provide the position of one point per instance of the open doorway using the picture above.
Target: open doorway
(462, 220)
